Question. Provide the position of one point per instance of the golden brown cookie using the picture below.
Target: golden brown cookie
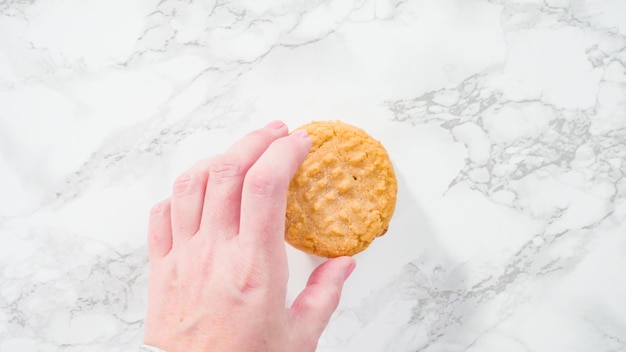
(344, 193)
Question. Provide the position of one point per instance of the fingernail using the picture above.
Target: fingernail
(301, 134)
(275, 124)
(350, 269)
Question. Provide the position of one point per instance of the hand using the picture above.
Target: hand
(218, 267)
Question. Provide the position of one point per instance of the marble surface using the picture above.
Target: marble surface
(506, 121)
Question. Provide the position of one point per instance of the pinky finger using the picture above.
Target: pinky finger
(160, 231)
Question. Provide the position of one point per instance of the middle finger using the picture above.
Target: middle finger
(222, 201)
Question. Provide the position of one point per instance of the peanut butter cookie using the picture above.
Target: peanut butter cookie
(344, 193)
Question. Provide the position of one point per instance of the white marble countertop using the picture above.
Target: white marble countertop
(506, 122)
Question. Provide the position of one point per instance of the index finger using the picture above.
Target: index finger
(264, 196)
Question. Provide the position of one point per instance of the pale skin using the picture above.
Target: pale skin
(218, 266)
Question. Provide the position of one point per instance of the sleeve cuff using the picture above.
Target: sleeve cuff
(146, 348)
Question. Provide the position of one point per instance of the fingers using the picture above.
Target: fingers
(223, 192)
(159, 231)
(317, 302)
(188, 200)
(264, 197)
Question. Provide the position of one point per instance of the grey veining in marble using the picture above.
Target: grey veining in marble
(506, 122)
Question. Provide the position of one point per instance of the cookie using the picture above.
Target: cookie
(343, 195)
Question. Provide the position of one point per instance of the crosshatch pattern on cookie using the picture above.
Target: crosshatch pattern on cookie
(343, 195)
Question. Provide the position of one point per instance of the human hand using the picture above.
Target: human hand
(218, 267)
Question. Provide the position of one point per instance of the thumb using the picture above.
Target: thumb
(319, 299)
